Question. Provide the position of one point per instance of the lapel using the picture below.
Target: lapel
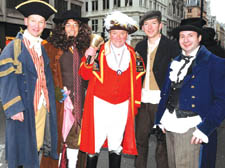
(200, 63)
(27, 60)
(45, 58)
(160, 52)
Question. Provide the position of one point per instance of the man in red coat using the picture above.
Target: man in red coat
(113, 94)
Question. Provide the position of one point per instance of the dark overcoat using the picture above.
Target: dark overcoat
(202, 91)
(166, 51)
(17, 95)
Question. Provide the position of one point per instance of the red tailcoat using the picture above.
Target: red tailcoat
(96, 78)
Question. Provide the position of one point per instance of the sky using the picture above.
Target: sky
(218, 9)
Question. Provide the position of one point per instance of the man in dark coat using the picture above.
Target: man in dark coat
(27, 91)
(157, 52)
(192, 102)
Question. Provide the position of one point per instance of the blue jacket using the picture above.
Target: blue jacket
(17, 95)
(203, 91)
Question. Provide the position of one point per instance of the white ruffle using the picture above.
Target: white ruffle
(175, 68)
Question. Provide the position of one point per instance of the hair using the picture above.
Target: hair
(59, 39)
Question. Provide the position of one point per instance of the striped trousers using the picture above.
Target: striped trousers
(181, 153)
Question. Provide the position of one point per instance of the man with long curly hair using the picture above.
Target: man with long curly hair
(66, 44)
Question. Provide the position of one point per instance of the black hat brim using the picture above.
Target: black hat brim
(61, 20)
(177, 30)
(36, 7)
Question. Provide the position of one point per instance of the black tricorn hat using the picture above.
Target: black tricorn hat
(150, 15)
(71, 14)
(37, 7)
(190, 24)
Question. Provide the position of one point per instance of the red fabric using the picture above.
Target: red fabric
(97, 78)
(41, 81)
(64, 160)
(113, 91)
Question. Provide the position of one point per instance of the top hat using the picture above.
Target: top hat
(71, 14)
(190, 24)
(38, 7)
(150, 15)
(120, 21)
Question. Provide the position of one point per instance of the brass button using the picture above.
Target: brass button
(192, 86)
(193, 97)
(193, 76)
(193, 105)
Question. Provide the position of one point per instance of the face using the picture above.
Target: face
(35, 24)
(189, 40)
(118, 37)
(152, 28)
(71, 28)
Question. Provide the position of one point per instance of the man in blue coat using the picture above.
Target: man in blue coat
(27, 91)
(192, 101)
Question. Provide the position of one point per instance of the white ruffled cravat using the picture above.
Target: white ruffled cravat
(34, 42)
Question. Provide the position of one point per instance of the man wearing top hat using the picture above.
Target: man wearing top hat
(66, 45)
(157, 52)
(27, 91)
(192, 101)
(113, 94)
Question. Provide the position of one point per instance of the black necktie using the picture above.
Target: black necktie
(187, 60)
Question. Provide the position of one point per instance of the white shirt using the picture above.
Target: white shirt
(118, 58)
(147, 95)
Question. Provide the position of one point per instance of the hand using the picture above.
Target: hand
(64, 95)
(195, 140)
(19, 116)
(91, 52)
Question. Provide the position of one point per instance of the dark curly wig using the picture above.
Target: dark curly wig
(59, 39)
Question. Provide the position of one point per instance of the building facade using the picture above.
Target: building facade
(175, 12)
(96, 10)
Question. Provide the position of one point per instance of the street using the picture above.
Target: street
(127, 161)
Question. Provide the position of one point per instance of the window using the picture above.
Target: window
(94, 25)
(128, 2)
(116, 3)
(105, 4)
(189, 10)
(77, 8)
(86, 5)
(94, 5)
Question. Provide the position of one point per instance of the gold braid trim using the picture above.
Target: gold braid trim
(6, 72)
(17, 51)
(11, 102)
(137, 102)
(6, 61)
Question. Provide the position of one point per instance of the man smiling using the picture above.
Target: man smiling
(193, 98)
(27, 91)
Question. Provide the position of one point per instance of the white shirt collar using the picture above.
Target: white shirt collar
(34, 42)
(193, 53)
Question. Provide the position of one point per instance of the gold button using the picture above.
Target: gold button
(193, 76)
(192, 86)
(193, 97)
(193, 105)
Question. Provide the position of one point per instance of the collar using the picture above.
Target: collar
(152, 46)
(193, 53)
